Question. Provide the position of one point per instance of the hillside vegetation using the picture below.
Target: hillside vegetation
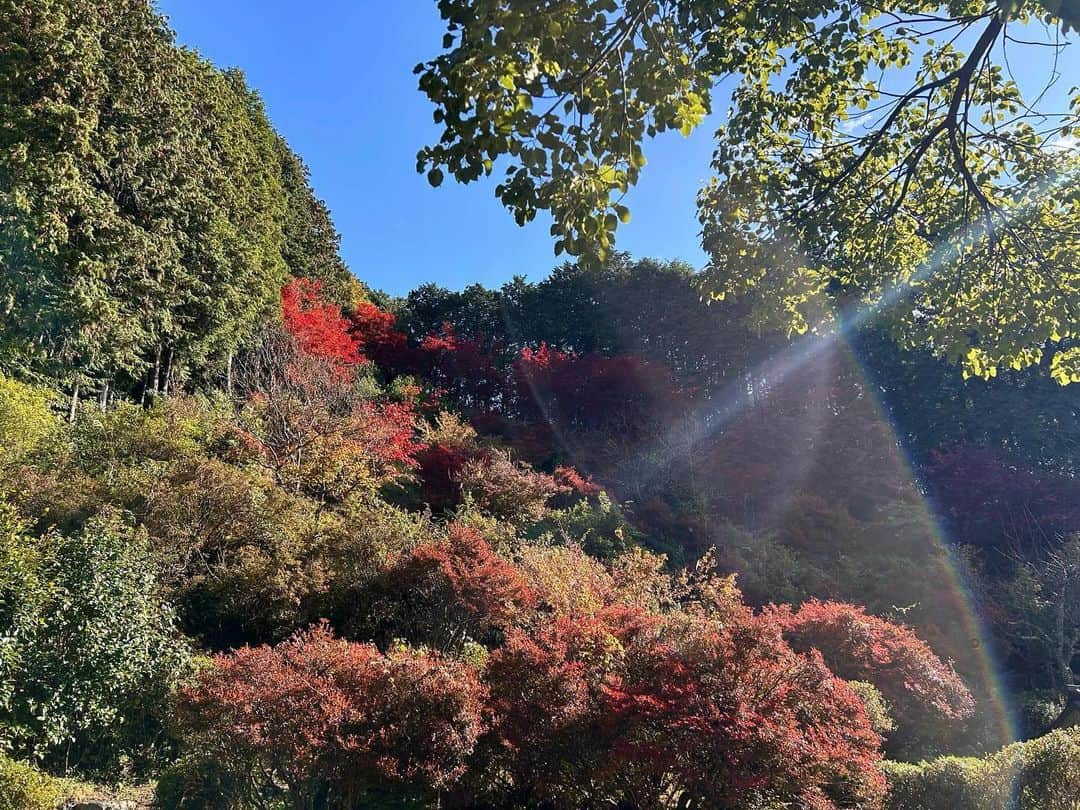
(269, 538)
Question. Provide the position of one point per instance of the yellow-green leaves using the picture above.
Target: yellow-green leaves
(1065, 366)
(879, 156)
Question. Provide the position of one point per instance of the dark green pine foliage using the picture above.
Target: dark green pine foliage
(149, 213)
(312, 243)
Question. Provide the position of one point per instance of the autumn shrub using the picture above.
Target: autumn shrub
(357, 544)
(319, 721)
(507, 490)
(445, 592)
(438, 468)
(920, 688)
(576, 484)
(626, 708)
(566, 580)
(375, 333)
(448, 444)
(1039, 774)
(319, 431)
(129, 438)
(877, 708)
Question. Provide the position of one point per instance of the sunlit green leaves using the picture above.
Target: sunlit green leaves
(882, 161)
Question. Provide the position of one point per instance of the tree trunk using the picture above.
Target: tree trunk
(229, 374)
(74, 403)
(159, 371)
(155, 374)
(1064, 655)
(103, 397)
(168, 374)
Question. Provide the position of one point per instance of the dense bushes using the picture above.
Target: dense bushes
(1041, 774)
(88, 652)
(24, 788)
(368, 520)
(495, 635)
(323, 722)
(922, 693)
(628, 689)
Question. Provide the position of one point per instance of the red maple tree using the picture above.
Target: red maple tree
(918, 685)
(317, 325)
(328, 718)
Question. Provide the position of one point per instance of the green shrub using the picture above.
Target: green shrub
(87, 648)
(196, 783)
(597, 525)
(23, 788)
(1040, 774)
(877, 708)
(26, 420)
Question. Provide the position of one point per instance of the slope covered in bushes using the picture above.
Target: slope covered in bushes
(271, 539)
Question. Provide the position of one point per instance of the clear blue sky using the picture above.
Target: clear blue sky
(337, 79)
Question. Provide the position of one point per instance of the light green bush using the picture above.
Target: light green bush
(26, 421)
(87, 648)
(23, 788)
(1040, 774)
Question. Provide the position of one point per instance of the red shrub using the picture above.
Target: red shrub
(508, 490)
(466, 370)
(439, 471)
(446, 592)
(861, 647)
(627, 394)
(319, 326)
(626, 705)
(373, 330)
(323, 716)
(575, 482)
(309, 425)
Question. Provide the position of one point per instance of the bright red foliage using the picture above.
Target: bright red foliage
(651, 688)
(384, 434)
(575, 482)
(466, 370)
(319, 326)
(373, 330)
(328, 717)
(633, 706)
(857, 646)
(627, 394)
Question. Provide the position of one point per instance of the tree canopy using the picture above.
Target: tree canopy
(876, 159)
(149, 213)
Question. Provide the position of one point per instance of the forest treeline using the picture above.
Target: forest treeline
(151, 214)
(271, 539)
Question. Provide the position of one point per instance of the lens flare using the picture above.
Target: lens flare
(972, 646)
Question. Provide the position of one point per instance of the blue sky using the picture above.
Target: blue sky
(338, 84)
(337, 79)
